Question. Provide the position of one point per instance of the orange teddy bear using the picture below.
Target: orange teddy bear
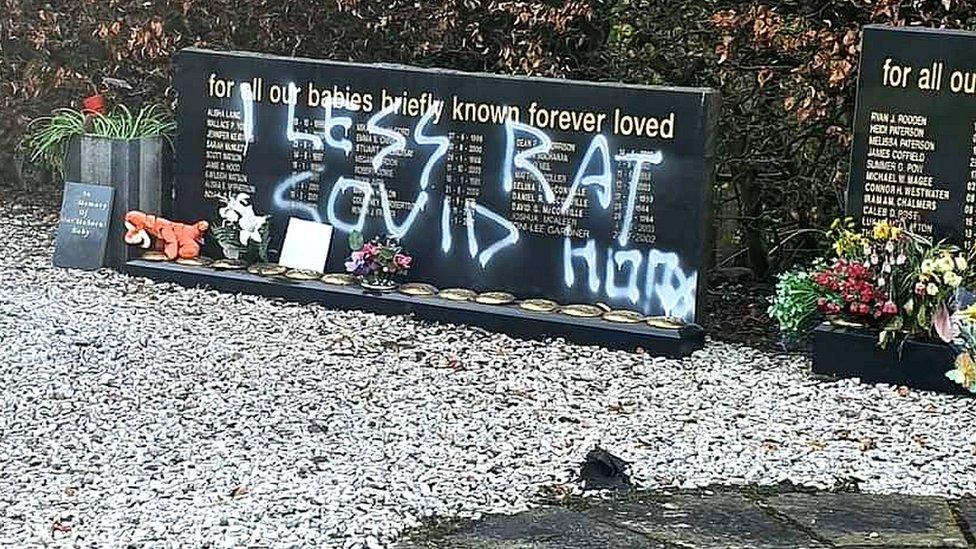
(175, 239)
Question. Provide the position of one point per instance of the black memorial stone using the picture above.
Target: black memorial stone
(914, 150)
(577, 192)
(83, 228)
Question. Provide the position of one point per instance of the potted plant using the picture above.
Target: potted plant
(377, 263)
(241, 234)
(129, 151)
(888, 297)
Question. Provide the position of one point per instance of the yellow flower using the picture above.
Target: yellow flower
(895, 233)
(969, 313)
(953, 279)
(966, 367)
(961, 263)
(932, 288)
(881, 230)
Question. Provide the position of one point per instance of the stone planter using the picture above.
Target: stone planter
(139, 170)
(847, 352)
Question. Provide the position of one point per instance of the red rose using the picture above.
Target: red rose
(93, 104)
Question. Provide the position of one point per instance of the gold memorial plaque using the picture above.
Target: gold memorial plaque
(339, 279)
(199, 261)
(623, 317)
(586, 311)
(302, 274)
(495, 298)
(417, 288)
(846, 323)
(539, 305)
(228, 264)
(665, 322)
(153, 255)
(457, 294)
(267, 269)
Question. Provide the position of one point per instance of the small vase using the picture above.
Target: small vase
(379, 285)
(231, 252)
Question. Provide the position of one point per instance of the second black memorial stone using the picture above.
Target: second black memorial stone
(914, 150)
(577, 192)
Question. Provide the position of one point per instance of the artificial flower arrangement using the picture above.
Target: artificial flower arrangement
(886, 279)
(241, 234)
(964, 371)
(377, 263)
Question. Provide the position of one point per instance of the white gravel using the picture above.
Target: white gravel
(135, 412)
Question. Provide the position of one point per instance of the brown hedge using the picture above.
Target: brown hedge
(786, 70)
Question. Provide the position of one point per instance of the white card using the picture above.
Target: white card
(306, 245)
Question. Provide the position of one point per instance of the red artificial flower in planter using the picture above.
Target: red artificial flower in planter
(93, 104)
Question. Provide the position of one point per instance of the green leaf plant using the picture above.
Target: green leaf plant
(47, 137)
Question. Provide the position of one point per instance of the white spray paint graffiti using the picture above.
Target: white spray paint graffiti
(645, 279)
(446, 238)
(441, 141)
(663, 278)
(290, 132)
(615, 263)
(485, 256)
(281, 201)
(588, 254)
(397, 141)
(341, 186)
(333, 122)
(602, 180)
(247, 107)
(522, 160)
(392, 229)
(674, 288)
(640, 160)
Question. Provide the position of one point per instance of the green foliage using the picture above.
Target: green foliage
(226, 235)
(794, 306)
(48, 137)
(356, 240)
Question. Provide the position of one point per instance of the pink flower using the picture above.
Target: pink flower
(402, 261)
(369, 250)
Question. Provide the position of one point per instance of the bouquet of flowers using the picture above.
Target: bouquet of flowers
(964, 368)
(240, 232)
(889, 280)
(378, 261)
(885, 278)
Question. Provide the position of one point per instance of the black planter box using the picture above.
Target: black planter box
(508, 319)
(846, 352)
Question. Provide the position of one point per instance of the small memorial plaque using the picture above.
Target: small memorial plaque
(572, 191)
(84, 226)
(914, 150)
(306, 245)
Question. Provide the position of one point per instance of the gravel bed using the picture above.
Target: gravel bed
(142, 413)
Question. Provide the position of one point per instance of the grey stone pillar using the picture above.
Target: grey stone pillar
(140, 170)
